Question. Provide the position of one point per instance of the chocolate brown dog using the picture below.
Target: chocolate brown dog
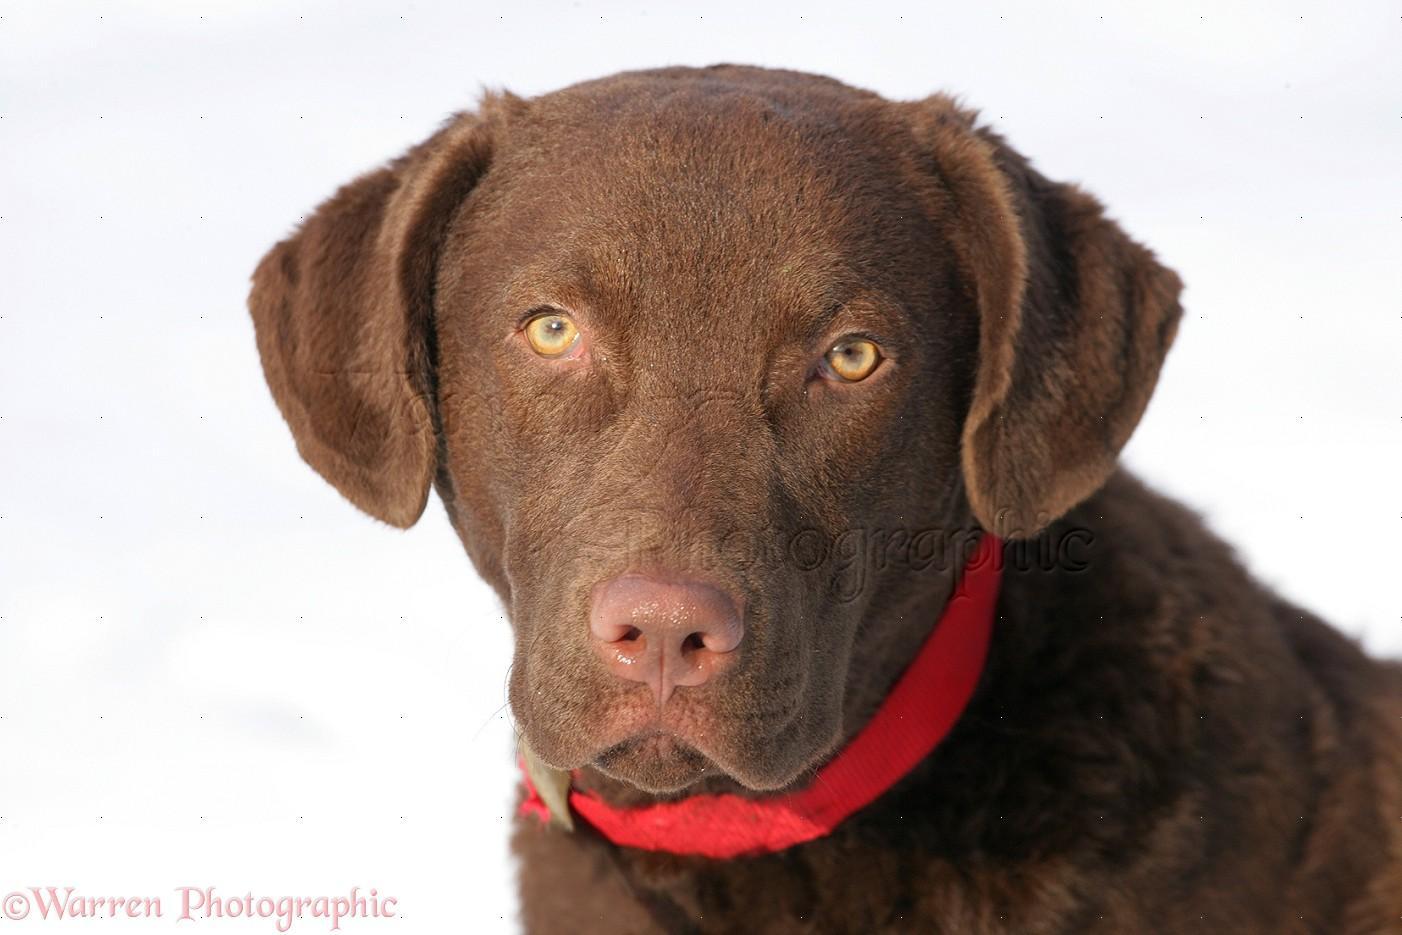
(717, 373)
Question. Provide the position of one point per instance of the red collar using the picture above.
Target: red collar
(920, 710)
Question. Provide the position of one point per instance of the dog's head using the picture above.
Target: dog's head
(714, 370)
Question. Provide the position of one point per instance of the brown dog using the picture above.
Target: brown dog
(717, 371)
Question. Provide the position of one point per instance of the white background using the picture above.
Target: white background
(213, 672)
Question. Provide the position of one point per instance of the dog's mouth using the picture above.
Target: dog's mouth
(656, 761)
(663, 752)
(697, 750)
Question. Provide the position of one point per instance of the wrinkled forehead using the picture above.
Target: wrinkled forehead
(721, 206)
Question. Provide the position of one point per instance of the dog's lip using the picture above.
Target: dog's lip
(655, 733)
(656, 761)
(658, 747)
(687, 724)
(657, 741)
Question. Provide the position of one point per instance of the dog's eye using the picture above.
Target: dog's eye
(551, 334)
(851, 359)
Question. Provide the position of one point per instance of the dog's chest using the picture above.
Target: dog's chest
(841, 884)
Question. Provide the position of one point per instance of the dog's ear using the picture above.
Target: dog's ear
(343, 312)
(1075, 320)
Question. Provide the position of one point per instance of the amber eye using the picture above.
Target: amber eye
(551, 334)
(852, 359)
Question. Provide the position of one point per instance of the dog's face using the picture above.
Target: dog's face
(694, 343)
(712, 369)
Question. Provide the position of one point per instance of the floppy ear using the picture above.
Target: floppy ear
(343, 312)
(1075, 320)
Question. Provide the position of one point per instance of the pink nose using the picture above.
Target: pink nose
(664, 634)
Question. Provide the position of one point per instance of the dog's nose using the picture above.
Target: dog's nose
(664, 633)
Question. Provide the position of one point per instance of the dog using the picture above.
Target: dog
(784, 419)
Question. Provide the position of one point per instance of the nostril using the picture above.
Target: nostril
(665, 632)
